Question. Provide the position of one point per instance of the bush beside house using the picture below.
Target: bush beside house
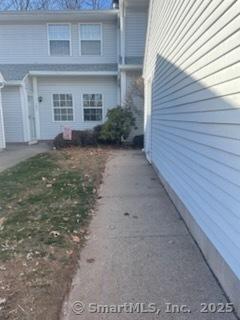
(115, 130)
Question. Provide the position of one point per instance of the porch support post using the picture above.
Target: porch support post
(36, 106)
(24, 107)
(122, 31)
(123, 87)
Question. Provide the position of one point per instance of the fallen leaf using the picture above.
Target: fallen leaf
(75, 239)
(91, 260)
(2, 220)
(55, 233)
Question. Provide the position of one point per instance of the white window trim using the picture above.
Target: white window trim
(103, 108)
(70, 38)
(73, 104)
(80, 40)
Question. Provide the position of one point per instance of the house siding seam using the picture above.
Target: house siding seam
(193, 60)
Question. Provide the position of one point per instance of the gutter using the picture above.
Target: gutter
(13, 83)
(130, 67)
(73, 73)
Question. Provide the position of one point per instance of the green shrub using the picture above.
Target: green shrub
(118, 126)
(79, 138)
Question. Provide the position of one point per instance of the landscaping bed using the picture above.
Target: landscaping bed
(45, 205)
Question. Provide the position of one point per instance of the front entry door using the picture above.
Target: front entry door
(32, 119)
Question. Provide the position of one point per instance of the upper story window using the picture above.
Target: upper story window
(90, 39)
(59, 39)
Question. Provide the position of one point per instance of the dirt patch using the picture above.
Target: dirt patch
(46, 203)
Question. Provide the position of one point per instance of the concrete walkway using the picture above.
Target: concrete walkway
(140, 251)
(16, 153)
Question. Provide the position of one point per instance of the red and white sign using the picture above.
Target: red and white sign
(67, 133)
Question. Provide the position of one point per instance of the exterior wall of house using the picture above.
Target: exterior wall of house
(28, 43)
(136, 27)
(76, 86)
(12, 114)
(192, 64)
(138, 102)
(2, 133)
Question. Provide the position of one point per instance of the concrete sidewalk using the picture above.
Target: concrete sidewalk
(140, 251)
(16, 153)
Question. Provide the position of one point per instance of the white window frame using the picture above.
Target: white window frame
(103, 109)
(53, 116)
(70, 38)
(80, 40)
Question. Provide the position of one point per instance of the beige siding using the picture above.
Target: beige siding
(192, 59)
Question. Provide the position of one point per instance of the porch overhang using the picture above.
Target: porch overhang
(73, 73)
(130, 67)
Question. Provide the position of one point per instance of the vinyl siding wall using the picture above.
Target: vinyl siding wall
(12, 114)
(28, 43)
(136, 27)
(192, 60)
(138, 103)
(76, 86)
(2, 134)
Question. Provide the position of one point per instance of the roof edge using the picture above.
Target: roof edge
(58, 12)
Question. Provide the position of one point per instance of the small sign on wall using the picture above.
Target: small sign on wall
(67, 133)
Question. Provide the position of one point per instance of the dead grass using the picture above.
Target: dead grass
(45, 207)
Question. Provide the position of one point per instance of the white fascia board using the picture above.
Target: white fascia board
(73, 73)
(14, 83)
(71, 15)
(130, 67)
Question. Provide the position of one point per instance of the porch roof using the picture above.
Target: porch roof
(16, 72)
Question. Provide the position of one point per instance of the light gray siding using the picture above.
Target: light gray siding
(12, 114)
(2, 134)
(28, 43)
(136, 27)
(138, 101)
(75, 86)
(192, 61)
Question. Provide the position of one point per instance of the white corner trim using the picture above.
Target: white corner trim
(36, 106)
(24, 105)
(3, 146)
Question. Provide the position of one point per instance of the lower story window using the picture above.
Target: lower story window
(63, 107)
(93, 107)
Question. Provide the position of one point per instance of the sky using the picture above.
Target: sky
(55, 4)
